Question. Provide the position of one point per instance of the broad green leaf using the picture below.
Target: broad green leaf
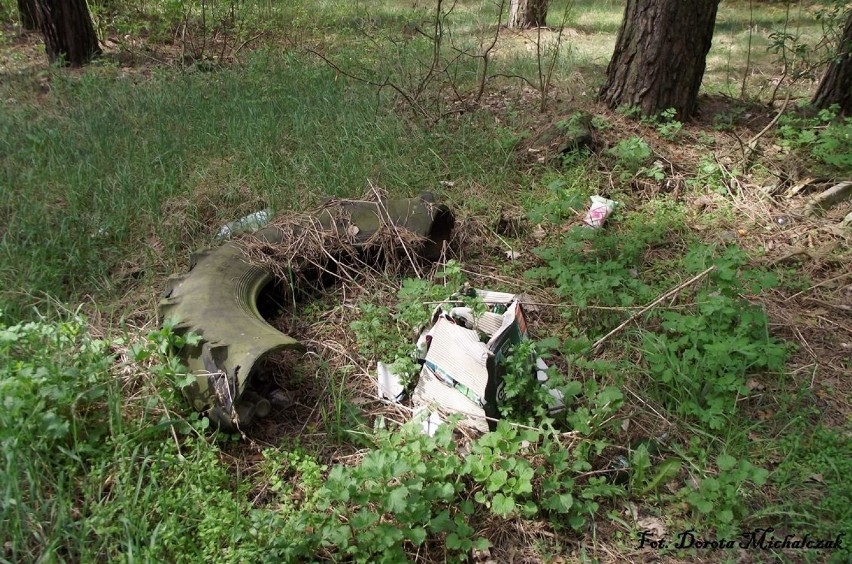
(397, 500)
(726, 462)
(417, 535)
(503, 505)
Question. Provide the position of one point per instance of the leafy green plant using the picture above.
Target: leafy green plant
(402, 491)
(631, 111)
(631, 155)
(599, 406)
(666, 124)
(159, 349)
(645, 477)
(599, 276)
(526, 399)
(701, 358)
(383, 336)
(602, 266)
(74, 465)
(388, 335)
(566, 195)
(721, 498)
(500, 462)
(826, 138)
(505, 479)
(412, 489)
(600, 123)
(655, 171)
(710, 175)
(53, 373)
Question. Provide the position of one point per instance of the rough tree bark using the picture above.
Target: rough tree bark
(836, 84)
(66, 26)
(527, 13)
(27, 13)
(659, 56)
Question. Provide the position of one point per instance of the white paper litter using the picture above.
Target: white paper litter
(388, 384)
(514, 255)
(429, 421)
(460, 373)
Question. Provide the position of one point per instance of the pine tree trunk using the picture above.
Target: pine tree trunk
(69, 35)
(660, 55)
(527, 13)
(27, 12)
(836, 84)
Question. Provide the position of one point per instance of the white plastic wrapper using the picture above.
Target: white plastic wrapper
(599, 211)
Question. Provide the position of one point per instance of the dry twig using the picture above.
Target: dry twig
(651, 305)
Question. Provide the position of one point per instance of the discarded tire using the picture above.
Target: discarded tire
(217, 299)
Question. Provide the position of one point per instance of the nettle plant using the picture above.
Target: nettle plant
(825, 138)
(666, 124)
(604, 266)
(700, 358)
(631, 156)
(719, 499)
(412, 489)
(55, 381)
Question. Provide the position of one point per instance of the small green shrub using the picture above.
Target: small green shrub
(53, 379)
(388, 335)
(630, 111)
(631, 155)
(825, 138)
(720, 499)
(710, 175)
(526, 400)
(603, 266)
(701, 358)
(666, 124)
(567, 195)
(412, 489)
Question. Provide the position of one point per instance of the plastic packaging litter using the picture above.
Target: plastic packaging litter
(599, 210)
(249, 223)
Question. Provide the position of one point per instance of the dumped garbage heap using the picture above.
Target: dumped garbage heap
(462, 355)
(217, 298)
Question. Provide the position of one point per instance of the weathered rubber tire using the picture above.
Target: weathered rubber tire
(217, 299)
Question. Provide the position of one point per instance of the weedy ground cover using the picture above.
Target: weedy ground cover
(722, 408)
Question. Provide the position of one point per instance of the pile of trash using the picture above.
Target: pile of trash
(462, 355)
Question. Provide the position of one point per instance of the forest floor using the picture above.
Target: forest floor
(722, 410)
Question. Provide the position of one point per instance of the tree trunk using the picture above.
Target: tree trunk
(659, 56)
(836, 84)
(527, 13)
(27, 12)
(69, 36)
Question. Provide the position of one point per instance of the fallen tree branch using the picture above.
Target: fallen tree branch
(824, 282)
(831, 197)
(751, 146)
(651, 305)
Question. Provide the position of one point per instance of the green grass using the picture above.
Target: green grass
(114, 162)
